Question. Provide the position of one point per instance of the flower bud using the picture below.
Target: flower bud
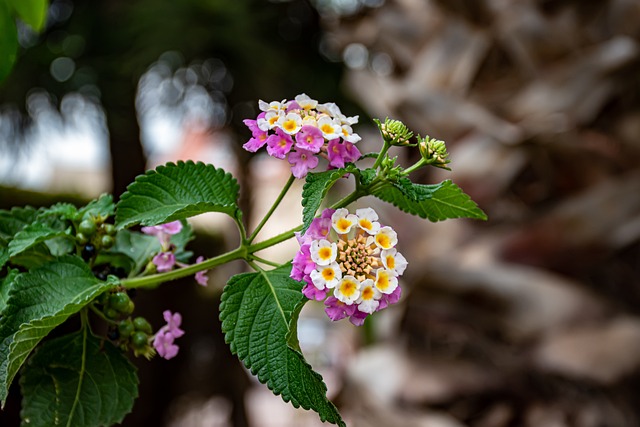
(434, 151)
(395, 132)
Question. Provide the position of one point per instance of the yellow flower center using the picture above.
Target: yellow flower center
(348, 288)
(343, 225)
(383, 281)
(324, 253)
(365, 223)
(383, 240)
(367, 293)
(391, 262)
(327, 128)
(328, 274)
(289, 125)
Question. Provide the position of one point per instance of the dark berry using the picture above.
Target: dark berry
(120, 272)
(88, 252)
(113, 334)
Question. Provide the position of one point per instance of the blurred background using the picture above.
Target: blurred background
(531, 318)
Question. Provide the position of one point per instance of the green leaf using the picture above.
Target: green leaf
(60, 210)
(102, 207)
(177, 191)
(8, 41)
(256, 310)
(315, 188)
(15, 220)
(33, 234)
(77, 380)
(39, 301)
(434, 202)
(4, 256)
(34, 257)
(32, 12)
(6, 283)
(138, 247)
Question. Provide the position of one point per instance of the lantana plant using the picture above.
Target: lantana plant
(66, 261)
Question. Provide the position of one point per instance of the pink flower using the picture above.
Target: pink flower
(301, 162)
(164, 261)
(336, 153)
(336, 309)
(257, 142)
(314, 293)
(173, 324)
(351, 152)
(163, 343)
(279, 144)
(201, 276)
(309, 138)
(169, 228)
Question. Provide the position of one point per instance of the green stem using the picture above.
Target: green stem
(264, 261)
(156, 279)
(420, 163)
(273, 208)
(101, 315)
(383, 152)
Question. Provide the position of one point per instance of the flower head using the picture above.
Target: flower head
(163, 341)
(163, 231)
(302, 130)
(352, 259)
(164, 261)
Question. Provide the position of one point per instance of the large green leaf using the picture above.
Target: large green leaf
(315, 188)
(101, 207)
(4, 255)
(8, 41)
(256, 310)
(434, 202)
(32, 12)
(33, 234)
(77, 380)
(177, 191)
(39, 301)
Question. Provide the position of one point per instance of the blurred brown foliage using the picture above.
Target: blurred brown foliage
(533, 318)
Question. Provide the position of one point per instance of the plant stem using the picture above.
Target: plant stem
(273, 208)
(264, 261)
(420, 163)
(155, 279)
(383, 152)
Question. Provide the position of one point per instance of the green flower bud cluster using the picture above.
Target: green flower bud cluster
(124, 330)
(394, 132)
(434, 151)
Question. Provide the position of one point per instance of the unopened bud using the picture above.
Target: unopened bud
(434, 151)
(395, 132)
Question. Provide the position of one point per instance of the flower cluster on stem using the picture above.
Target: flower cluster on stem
(349, 261)
(301, 130)
(164, 339)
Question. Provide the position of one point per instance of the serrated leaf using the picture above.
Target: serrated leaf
(315, 188)
(32, 12)
(177, 191)
(39, 301)
(6, 283)
(256, 310)
(34, 257)
(367, 176)
(8, 41)
(15, 220)
(60, 210)
(4, 255)
(102, 207)
(77, 380)
(33, 234)
(434, 202)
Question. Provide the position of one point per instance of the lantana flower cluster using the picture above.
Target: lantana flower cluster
(302, 130)
(350, 261)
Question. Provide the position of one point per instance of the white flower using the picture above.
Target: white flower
(386, 238)
(272, 106)
(329, 108)
(369, 297)
(348, 290)
(330, 128)
(326, 276)
(270, 120)
(323, 252)
(394, 261)
(305, 102)
(342, 221)
(386, 281)
(367, 220)
(348, 135)
(291, 123)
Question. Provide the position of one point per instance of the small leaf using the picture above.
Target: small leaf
(177, 191)
(138, 247)
(60, 210)
(39, 301)
(77, 380)
(6, 283)
(315, 188)
(4, 255)
(256, 310)
(8, 41)
(434, 202)
(32, 12)
(102, 207)
(33, 234)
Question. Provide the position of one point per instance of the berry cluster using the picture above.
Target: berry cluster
(303, 130)
(353, 255)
